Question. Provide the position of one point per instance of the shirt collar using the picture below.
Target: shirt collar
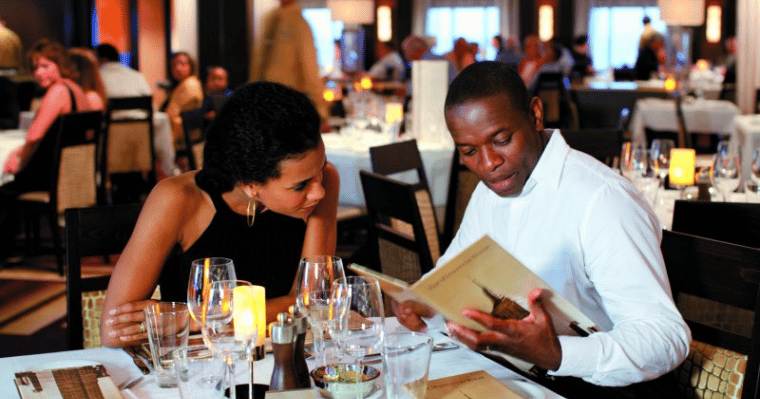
(549, 167)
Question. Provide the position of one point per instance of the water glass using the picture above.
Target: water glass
(199, 377)
(168, 326)
(406, 361)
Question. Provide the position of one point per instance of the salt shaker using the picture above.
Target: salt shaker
(283, 333)
(301, 325)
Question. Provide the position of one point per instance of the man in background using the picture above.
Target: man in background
(120, 80)
(511, 54)
(416, 48)
(287, 54)
(583, 65)
(389, 65)
(11, 50)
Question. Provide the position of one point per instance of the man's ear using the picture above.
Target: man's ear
(537, 113)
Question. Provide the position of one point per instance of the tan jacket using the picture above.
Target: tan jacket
(187, 96)
(286, 55)
(11, 50)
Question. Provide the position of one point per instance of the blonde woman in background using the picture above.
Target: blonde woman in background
(186, 95)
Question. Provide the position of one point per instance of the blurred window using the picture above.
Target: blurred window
(474, 24)
(614, 34)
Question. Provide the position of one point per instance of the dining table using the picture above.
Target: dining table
(348, 151)
(163, 141)
(700, 116)
(121, 368)
(10, 140)
(747, 129)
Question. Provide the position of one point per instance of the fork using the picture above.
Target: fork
(129, 383)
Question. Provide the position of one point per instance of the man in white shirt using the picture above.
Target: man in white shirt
(390, 65)
(581, 227)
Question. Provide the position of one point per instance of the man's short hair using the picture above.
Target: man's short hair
(488, 78)
(581, 40)
(108, 52)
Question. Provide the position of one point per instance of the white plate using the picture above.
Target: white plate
(525, 389)
(63, 364)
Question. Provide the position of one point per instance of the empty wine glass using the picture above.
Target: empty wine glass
(203, 273)
(752, 186)
(358, 319)
(633, 160)
(755, 167)
(313, 287)
(726, 174)
(229, 327)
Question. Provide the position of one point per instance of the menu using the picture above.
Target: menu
(477, 384)
(67, 383)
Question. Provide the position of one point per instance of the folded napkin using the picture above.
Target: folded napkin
(65, 383)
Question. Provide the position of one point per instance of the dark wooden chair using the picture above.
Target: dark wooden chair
(393, 159)
(194, 125)
(602, 144)
(462, 183)
(396, 229)
(128, 158)
(73, 183)
(734, 222)
(715, 286)
(560, 110)
(95, 231)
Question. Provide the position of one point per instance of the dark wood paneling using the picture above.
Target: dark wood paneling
(222, 38)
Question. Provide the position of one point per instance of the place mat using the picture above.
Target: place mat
(67, 383)
(477, 384)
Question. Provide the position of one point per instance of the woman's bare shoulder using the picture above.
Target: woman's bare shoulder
(177, 192)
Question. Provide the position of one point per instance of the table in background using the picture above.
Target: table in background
(599, 103)
(120, 367)
(700, 116)
(747, 128)
(351, 154)
(665, 202)
(10, 140)
(163, 141)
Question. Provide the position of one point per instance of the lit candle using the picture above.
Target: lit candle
(393, 112)
(260, 301)
(244, 313)
(682, 163)
(670, 84)
(366, 83)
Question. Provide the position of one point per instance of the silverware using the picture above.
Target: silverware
(441, 346)
(138, 360)
(130, 383)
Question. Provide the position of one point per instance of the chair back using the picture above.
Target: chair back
(129, 142)
(396, 227)
(602, 144)
(734, 222)
(93, 231)
(75, 162)
(715, 286)
(462, 183)
(399, 157)
(194, 126)
(554, 91)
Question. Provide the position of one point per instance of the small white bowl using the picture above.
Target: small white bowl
(340, 380)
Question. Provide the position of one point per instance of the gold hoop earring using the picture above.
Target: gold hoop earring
(250, 212)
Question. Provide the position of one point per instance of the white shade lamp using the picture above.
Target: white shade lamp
(353, 13)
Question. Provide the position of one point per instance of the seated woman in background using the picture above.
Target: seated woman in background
(265, 197)
(88, 77)
(186, 95)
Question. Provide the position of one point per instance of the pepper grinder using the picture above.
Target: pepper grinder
(283, 334)
(301, 325)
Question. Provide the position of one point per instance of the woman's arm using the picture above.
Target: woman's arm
(320, 238)
(55, 102)
(136, 273)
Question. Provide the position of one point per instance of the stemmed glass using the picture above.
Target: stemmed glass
(752, 185)
(204, 272)
(358, 320)
(230, 324)
(315, 277)
(633, 161)
(726, 173)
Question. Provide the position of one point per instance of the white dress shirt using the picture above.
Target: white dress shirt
(390, 66)
(590, 235)
(123, 81)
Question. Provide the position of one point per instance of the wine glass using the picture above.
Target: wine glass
(204, 272)
(659, 157)
(315, 277)
(633, 160)
(751, 188)
(726, 174)
(358, 319)
(229, 326)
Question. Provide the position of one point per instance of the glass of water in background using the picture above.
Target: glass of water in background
(406, 361)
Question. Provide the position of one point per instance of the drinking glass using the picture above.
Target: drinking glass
(315, 277)
(659, 157)
(204, 272)
(358, 319)
(229, 326)
(755, 167)
(726, 174)
(633, 160)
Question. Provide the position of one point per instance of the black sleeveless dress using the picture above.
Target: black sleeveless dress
(265, 254)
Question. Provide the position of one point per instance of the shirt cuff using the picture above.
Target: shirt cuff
(579, 357)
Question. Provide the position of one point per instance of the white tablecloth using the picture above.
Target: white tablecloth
(163, 142)
(701, 116)
(350, 155)
(10, 140)
(747, 128)
(664, 201)
(120, 367)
